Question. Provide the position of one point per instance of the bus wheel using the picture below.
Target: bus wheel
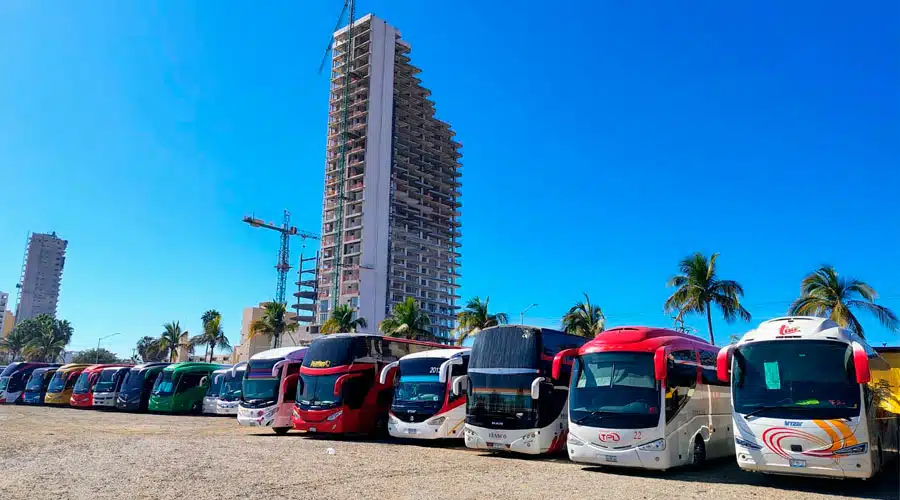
(698, 454)
(281, 431)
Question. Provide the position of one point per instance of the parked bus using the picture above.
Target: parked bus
(180, 388)
(13, 380)
(36, 388)
(269, 387)
(83, 392)
(513, 403)
(646, 397)
(134, 395)
(811, 398)
(424, 407)
(59, 392)
(108, 385)
(340, 390)
(230, 393)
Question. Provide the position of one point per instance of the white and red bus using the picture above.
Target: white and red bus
(268, 388)
(340, 388)
(513, 402)
(646, 397)
(811, 398)
(424, 407)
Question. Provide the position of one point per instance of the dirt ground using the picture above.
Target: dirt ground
(62, 453)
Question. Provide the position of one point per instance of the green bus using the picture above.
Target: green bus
(180, 388)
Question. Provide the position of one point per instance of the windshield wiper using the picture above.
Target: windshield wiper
(597, 413)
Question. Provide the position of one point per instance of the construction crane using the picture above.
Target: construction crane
(346, 76)
(284, 252)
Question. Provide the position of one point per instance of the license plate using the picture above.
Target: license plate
(312, 429)
(496, 445)
(411, 431)
(611, 458)
(798, 463)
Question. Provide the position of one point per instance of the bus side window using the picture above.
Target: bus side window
(290, 388)
(680, 381)
(708, 368)
(189, 381)
(456, 371)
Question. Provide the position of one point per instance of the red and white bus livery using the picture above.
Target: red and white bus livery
(268, 388)
(646, 397)
(424, 407)
(811, 398)
(340, 388)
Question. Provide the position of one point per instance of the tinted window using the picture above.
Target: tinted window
(336, 351)
(190, 381)
(681, 379)
(505, 347)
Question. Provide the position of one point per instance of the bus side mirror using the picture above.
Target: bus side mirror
(660, 369)
(217, 379)
(204, 381)
(861, 363)
(339, 383)
(235, 367)
(536, 387)
(388, 372)
(459, 384)
(723, 363)
(559, 359)
(447, 367)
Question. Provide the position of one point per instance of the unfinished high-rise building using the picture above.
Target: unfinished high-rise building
(390, 225)
(38, 292)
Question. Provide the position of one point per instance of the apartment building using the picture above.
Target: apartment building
(45, 258)
(390, 227)
(4, 298)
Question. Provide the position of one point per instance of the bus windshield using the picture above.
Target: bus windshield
(616, 390)
(231, 387)
(83, 386)
(798, 379)
(134, 382)
(336, 351)
(4, 383)
(215, 386)
(265, 389)
(58, 382)
(35, 382)
(165, 384)
(317, 392)
(107, 381)
(419, 383)
(501, 400)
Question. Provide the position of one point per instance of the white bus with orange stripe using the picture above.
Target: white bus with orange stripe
(811, 398)
(424, 407)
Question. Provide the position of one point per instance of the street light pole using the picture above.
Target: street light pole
(97, 359)
(522, 314)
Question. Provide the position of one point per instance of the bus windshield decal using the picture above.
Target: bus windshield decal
(503, 371)
(419, 378)
(320, 364)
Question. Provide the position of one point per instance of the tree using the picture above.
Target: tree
(342, 321)
(14, 343)
(149, 351)
(584, 319)
(698, 288)
(213, 336)
(407, 321)
(824, 293)
(273, 323)
(476, 317)
(91, 356)
(170, 340)
(49, 338)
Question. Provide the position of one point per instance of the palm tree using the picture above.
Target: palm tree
(698, 288)
(213, 336)
(824, 293)
(273, 323)
(148, 349)
(14, 342)
(476, 317)
(407, 321)
(170, 340)
(584, 319)
(342, 321)
(49, 339)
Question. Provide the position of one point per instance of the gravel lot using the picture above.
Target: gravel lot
(80, 454)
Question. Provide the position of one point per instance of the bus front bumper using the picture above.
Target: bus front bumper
(517, 441)
(80, 401)
(32, 398)
(56, 398)
(327, 421)
(847, 466)
(586, 453)
(256, 417)
(227, 408)
(447, 428)
(209, 405)
(105, 399)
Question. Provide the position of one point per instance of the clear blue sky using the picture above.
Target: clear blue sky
(603, 141)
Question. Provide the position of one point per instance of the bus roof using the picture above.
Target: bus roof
(640, 339)
(800, 327)
(72, 367)
(438, 353)
(116, 368)
(227, 369)
(97, 368)
(378, 335)
(277, 353)
(43, 370)
(192, 365)
(24, 366)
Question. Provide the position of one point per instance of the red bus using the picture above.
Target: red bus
(339, 390)
(83, 393)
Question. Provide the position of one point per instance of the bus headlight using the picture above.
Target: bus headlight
(574, 440)
(658, 445)
(527, 438)
(747, 444)
(857, 449)
(437, 421)
(334, 416)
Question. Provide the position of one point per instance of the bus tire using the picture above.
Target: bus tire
(281, 431)
(698, 451)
